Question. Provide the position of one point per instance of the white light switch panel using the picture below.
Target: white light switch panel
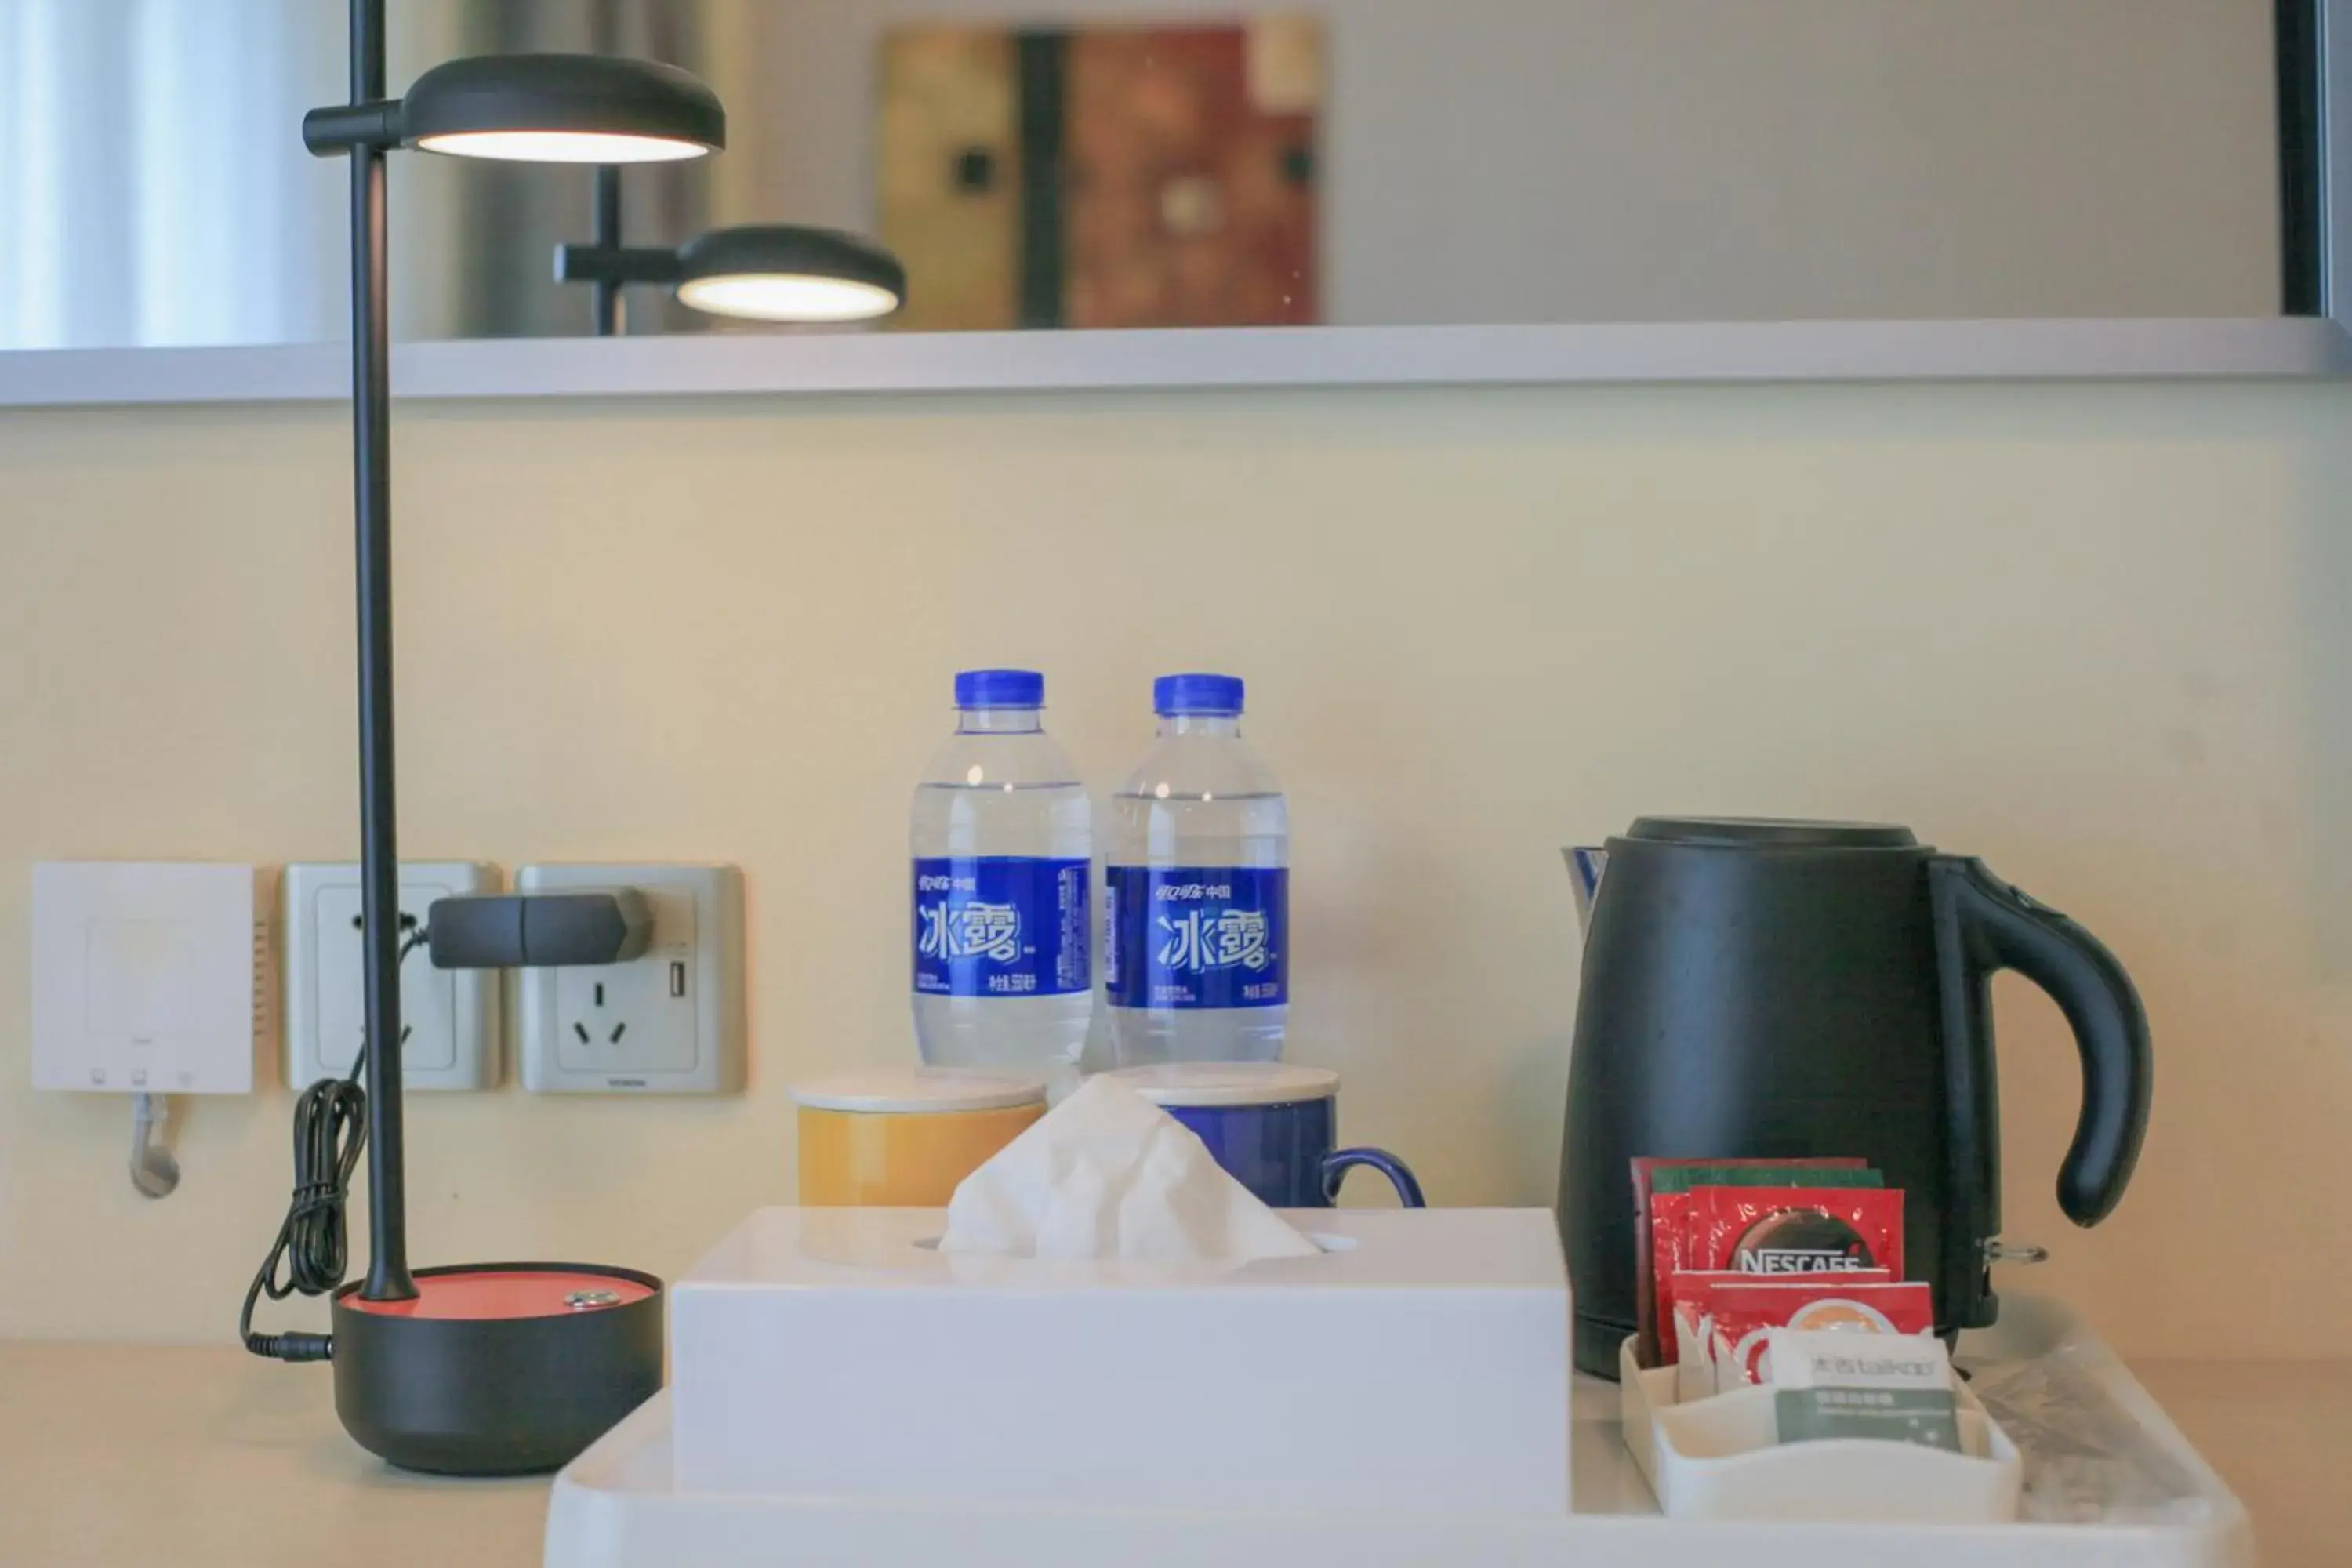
(150, 978)
(669, 1022)
(451, 1018)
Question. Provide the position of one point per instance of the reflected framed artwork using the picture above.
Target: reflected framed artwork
(1104, 176)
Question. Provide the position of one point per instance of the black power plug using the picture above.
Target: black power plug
(539, 931)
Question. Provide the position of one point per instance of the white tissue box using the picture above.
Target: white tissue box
(1421, 1363)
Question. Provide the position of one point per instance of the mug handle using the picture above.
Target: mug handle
(1339, 1161)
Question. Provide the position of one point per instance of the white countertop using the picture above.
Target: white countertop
(201, 1454)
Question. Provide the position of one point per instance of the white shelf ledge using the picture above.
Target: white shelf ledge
(725, 363)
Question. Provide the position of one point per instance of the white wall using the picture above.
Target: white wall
(1688, 160)
(2097, 635)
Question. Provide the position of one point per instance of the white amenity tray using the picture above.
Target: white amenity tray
(2106, 1481)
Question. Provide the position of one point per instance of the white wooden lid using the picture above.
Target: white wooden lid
(920, 1089)
(1229, 1083)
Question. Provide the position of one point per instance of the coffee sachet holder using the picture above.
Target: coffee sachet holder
(1717, 1458)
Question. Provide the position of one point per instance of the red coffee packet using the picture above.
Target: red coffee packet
(1787, 1230)
(1693, 1308)
(1794, 1230)
(1654, 1264)
(1739, 1308)
(1665, 1265)
(1694, 1374)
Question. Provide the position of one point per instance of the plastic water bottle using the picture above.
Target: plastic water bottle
(1197, 889)
(1002, 974)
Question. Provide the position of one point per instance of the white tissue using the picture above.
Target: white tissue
(1106, 1173)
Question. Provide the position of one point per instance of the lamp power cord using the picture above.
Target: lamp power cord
(313, 1249)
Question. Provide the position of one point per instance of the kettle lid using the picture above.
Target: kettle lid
(1768, 832)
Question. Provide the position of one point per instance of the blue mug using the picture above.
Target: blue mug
(1271, 1126)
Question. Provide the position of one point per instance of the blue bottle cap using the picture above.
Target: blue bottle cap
(1000, 689)
(1216, 695)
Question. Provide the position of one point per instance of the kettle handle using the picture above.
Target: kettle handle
(1983, 924)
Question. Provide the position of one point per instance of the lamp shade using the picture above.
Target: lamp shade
(784, 272)
(562, 109)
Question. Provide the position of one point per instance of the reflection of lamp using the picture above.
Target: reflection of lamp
(767, 272)
(481, 1368)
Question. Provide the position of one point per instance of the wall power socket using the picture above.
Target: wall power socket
(452, 1018)
(669, 1022)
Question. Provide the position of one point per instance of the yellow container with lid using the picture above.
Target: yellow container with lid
(904, 1137)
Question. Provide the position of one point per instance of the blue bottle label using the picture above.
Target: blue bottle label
(1198, 936)
(1001, 926)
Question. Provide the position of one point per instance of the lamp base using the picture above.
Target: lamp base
(497, 1369)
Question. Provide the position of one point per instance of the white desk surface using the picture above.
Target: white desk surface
(195, 1455)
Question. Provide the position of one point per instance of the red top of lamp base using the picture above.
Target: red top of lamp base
(496, 1368)
(493, 1290)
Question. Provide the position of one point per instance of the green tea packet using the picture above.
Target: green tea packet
(1838, 1383)
(1921, 1415)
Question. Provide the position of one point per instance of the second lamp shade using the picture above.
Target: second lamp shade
(785, 272)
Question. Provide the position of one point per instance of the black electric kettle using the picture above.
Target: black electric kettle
(1775, 989)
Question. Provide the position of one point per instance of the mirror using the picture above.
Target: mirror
(1191, 162)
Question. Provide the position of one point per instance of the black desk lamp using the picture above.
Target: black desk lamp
(764, 272)
(481, 1368)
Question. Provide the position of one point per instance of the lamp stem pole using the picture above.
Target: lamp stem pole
(604, 211)
(388, 1278)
